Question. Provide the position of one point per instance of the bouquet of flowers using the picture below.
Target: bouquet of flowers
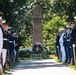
(37, 48)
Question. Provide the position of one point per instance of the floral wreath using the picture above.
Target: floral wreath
(37, 48)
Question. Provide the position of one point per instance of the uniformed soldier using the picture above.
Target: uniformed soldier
(62, 49)
(65, 45)
(17, 45)
(1, 41)
(5, 44)
(68, 44)
(11, 47)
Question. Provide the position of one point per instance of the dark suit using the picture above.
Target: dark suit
(57, 45)
(73, 40)
(73, 35)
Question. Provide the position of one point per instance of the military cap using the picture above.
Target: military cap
(4, 21)
(68, 27)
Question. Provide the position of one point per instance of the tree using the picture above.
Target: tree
(65, 7)
(19, 14)
(50, 29)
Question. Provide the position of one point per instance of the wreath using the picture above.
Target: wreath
(37, 48)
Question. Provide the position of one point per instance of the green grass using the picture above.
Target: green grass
(72, 67)
(54, 57)
(26, 58)
(6, 71)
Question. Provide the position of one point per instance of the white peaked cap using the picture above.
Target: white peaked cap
(62, 29)
(0, 17)
(3, 21)
(75, 17)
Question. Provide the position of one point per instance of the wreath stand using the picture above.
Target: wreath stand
(36, 56)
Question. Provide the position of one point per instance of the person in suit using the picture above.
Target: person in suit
(73, 39)
(57, 45)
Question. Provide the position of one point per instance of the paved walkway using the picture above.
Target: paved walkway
(41, 67)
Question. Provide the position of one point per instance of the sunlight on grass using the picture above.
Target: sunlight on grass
(72, 66)
(54, 57)
(24, 58)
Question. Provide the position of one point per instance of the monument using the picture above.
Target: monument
(37, 27)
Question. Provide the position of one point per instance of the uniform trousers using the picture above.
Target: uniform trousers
(14, 54)
(62, 53)
(1, 45)
(4, 52)
(69, 51)
(66, 51)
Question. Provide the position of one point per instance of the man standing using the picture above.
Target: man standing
(62, 49)
(11, 47)
(73, 40)
(5, 45)
(57, 45)
(65, 45)
(68, 45)
(17, 44)
(1, 41)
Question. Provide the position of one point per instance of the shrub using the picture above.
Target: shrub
(24, 53)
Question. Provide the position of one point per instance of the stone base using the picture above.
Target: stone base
(36, 56)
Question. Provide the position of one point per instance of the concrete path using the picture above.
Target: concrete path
(41, 67)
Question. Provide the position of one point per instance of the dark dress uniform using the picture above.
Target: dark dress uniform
(17, 45)
(69, 47)
(5, 48)
(5, 40)
(11, 47)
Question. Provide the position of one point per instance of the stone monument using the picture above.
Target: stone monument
(37, 27)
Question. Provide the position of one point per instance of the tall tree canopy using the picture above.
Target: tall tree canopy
(65, 7)
(19, 15)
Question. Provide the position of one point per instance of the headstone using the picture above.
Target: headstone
(37, 27)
